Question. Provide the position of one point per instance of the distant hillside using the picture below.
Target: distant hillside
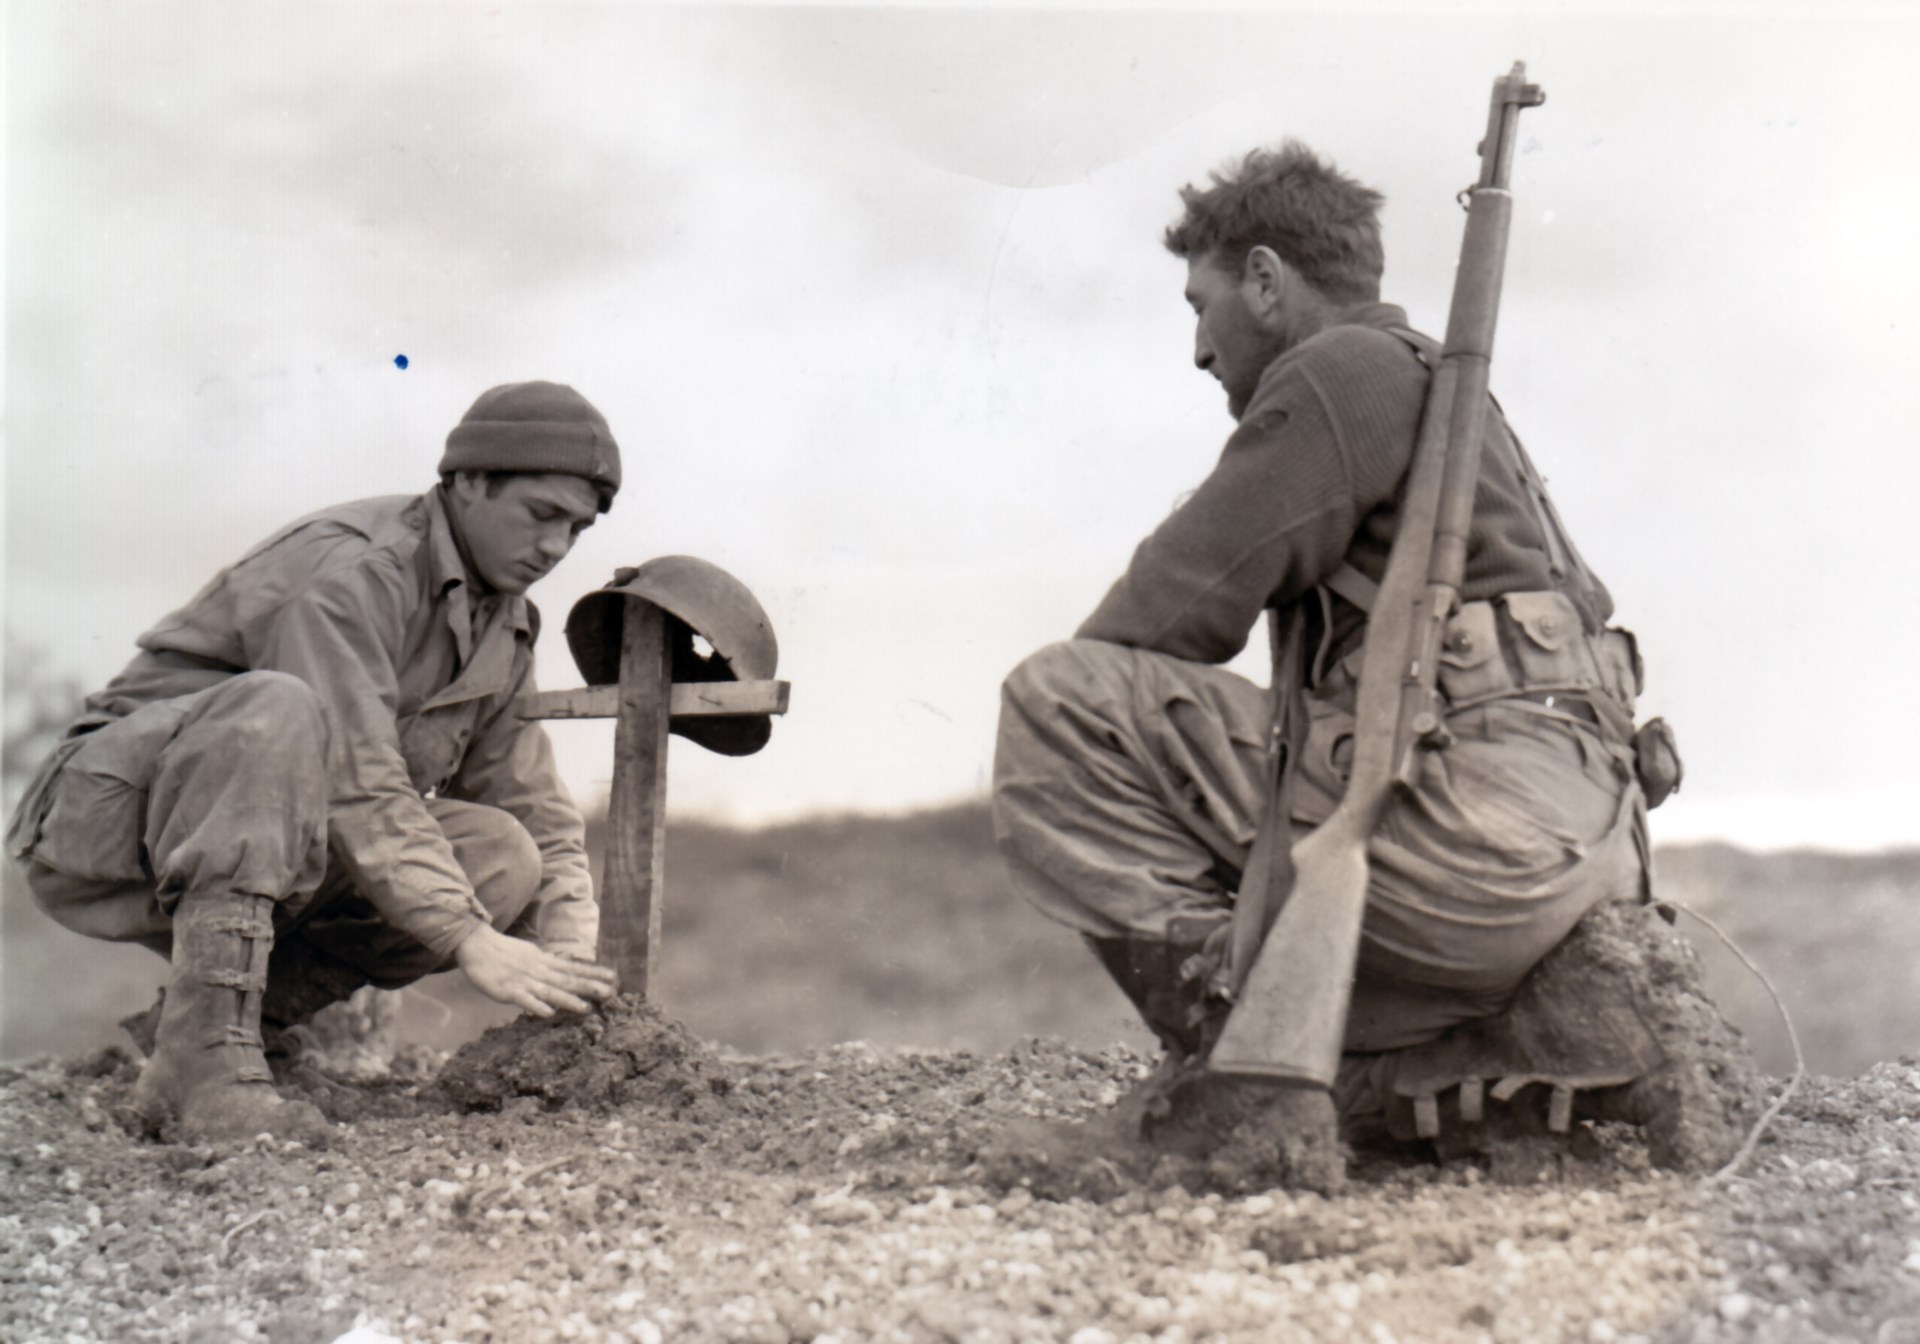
(1839, 935)
(903, 930)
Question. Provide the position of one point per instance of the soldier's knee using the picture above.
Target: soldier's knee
(520, 865)
(501, 859)
(273, 710)
(1048, 675)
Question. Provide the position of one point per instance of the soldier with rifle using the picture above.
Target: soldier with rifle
(1484, 718)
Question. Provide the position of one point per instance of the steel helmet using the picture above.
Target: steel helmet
(700, 598)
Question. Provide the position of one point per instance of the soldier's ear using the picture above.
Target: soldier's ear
(1265, 282)
(465, 485)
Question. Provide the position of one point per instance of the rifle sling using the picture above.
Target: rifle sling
(1351, 584)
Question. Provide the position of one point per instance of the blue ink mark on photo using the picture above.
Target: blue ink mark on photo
(399, 361)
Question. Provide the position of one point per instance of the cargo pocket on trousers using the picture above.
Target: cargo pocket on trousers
(94, 827)
(95, 823)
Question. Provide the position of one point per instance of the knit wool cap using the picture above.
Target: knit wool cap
(536, 427)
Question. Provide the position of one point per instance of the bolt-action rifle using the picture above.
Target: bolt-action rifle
(1295, 950)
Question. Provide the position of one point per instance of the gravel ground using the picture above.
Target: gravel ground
(836, 1196)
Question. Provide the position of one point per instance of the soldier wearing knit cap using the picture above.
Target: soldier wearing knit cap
(535, 427)
(311, 777)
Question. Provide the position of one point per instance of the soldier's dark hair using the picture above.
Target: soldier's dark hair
(493, 482)
(1320, 222)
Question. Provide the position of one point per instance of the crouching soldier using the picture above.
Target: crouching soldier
(311, 777)
(1131, 769)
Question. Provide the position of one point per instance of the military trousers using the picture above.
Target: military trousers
(226, 790)
(1128, 787)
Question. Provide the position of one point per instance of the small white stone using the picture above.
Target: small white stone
(1735, 1307)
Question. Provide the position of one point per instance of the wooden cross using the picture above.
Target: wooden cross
(644, 703)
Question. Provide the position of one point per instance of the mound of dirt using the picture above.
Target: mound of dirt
(1699, 1104)
(622, 1055)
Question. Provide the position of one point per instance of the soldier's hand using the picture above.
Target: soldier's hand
(510, 970)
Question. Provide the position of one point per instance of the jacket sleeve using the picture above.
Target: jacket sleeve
(509, 765)
(1274, 517)
(337, 632)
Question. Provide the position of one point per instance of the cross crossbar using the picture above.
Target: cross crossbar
(685, 700)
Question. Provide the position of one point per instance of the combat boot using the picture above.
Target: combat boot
(207, 1079)
(300, 983)
(142, 1026)
(1248, 1135)
(1613, 1024)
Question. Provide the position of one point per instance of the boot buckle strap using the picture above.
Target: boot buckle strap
(253, 1073)
(240, 980)
(236, 1035)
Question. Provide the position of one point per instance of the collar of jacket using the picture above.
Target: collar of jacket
(1383, 316)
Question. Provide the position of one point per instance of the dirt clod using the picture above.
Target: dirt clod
(623, 1054)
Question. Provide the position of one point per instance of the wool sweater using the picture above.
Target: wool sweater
(1312, 478)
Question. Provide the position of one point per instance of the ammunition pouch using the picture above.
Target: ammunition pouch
(1533, 646)
(1656, 761)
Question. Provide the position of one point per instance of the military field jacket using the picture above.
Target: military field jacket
(417, 668)
(1311, 479)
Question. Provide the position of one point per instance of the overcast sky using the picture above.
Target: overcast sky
(875, 303)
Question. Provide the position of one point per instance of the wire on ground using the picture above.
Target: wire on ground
(1793, 1037)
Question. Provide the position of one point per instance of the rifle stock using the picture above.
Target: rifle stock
(1291, 1002)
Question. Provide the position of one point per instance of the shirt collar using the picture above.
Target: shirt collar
(1370, 315)
(1382, 316)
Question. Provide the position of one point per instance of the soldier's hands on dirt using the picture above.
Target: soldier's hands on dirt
(511, 970)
